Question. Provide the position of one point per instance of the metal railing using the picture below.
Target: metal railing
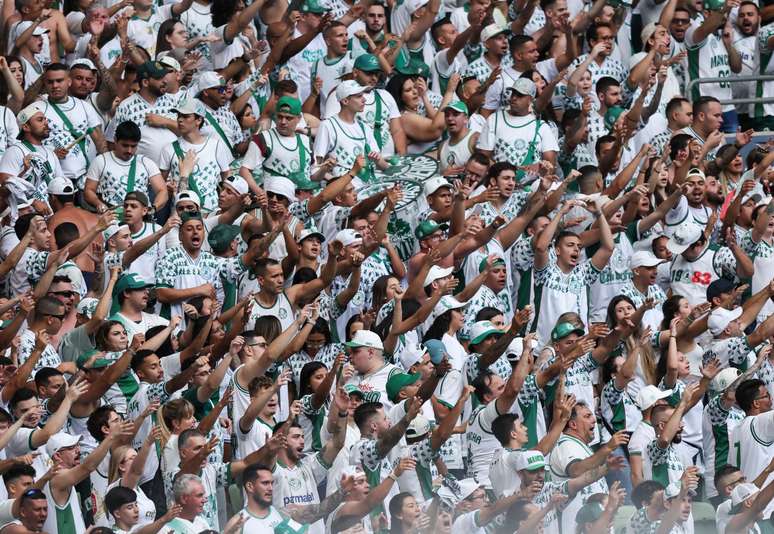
(736, 79)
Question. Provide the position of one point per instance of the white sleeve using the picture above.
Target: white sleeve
(322, 143)
(564, 455)
(223, 155)
(678, 213)
(6, 512)
(689, 42)
(442, 63)
(165, 159)
(548, 140)
(392, 107)
(332, 107)
(492, 98)
(253, 158)
(151, 166)
(11, 126)
(12, 161)
(763, 426)
(96, 168)
(93, 119)
(547, 69)
(486, 140)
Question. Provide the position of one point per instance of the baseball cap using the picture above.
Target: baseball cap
(647, 31)
(413, 5)
(482, 264)
(129, 281)
(288, 104)
(367, 63)
(436, 349)
(530, 461)
(83, 62)
(398, 381)
(436, 273)
(237, 183)
(190, 106)
(61, 186)
(695, 171)
(524, 87)
(459, 106)
(209, 80)
(683, 237)
(348, 237)
(112, 230)
(719, 287)
(280, 185)
(24, 26)
(644, 258)
(27, 113)
(61, 440)
(562, 330)
(412, 354)
(221, 237)
(310, 232)
(482, 330)
(742, 492)
(349, 389)
(720, 318)
(516, 348)
(312, 6)
(139, 196)
(611, 115)
(151, 69)
(429, 227)
(365, 338)
(490, 31)
(418, 427)
(588, 513)
(169, 62)
(86, 306)
(724, 379)
(434, 184)
(755, 196)
(714, 5)
(446, 303)
(348, 88)
(190, 196)
(648, 395)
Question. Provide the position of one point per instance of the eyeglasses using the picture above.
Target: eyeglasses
(681, 21)
(62, 293)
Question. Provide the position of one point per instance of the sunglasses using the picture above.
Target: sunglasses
(222, 89)
(271, 194)
(63, 293)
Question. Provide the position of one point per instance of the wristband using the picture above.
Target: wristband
(392, 477)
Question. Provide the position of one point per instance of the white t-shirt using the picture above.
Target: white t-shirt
(82, 117)
(112, 175)
(512, 138)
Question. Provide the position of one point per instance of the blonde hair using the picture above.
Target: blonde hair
(174, 410)
(116, 457)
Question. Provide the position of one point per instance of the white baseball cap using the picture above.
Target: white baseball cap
(210, 79)
(490, 31)
(435, 183)
(436, 273)
(644, 258)
(481, 330)
(525, 87)
(61, 440)
(365, 338)
(648, 396)
(191, 196)
(418, 427)
(168, 61)
(87, 306)
(280, 185)
(24, 26)
(683, 237)
(61, 186)
(720, 318)
(83, 62)
(413, 5)
(412, 354)
(742, 492)
(190, 106)
(348, 237)
(310, 232)
(446, 303)
(350, 87)
(27, 113)
(112, 230)
(237, 183)
(724, 379)
(531, 461)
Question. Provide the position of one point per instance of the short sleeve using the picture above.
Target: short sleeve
(322, 143)
(564, 455)
(165, 159)
(762, 427)
(725, 262)
(689, 38)
(165, 273)
(548, 139)
(223, 155)
(492, 97)
(486, 140)
(96, 168)
(392, 107)
(253, 158)
(369, 454)
(150, 166)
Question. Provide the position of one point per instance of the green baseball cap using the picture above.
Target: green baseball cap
(99, 363)
(397, 382)
(482, 264)
(482, 330)
(349, 389)
(151, 69)
(611, 115)
(428, 227)
(191, 216)
(302, 183)
(129, 281)
(562, 330)
(312, 6)
(409, 66)
(714, 5)
(458, 106)
(290, 105)
(221, 237)
(367, 63)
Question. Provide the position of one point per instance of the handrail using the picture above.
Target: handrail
(736, 79)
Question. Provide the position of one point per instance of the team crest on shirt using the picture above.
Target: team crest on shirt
(283, 313)
(294, 484)
(369, 116)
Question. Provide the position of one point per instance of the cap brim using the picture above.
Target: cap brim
(481, 337)
(676, 248)
(540, 467)
(314, 234)
(649, 263)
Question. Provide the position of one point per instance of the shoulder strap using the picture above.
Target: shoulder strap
(81, 137)
(219, 130)
(132, 174)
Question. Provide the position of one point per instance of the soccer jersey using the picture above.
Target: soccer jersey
(666, 466)
(610, 67)
(222, 123)
(482, 443)
(279, 155)
(44, 166)
(691, 278)
(198, 23)
(380, 108)
(116, 177)
(330, 71)
(374, 384)
(717, 425)
(178, 270)
(503, 471)
(64, 519)
(9, 129)
(708, 59)
(213, 159)
(651, 317)
(68, 121)
(516, 139)
(611, 279)
(143, 32)
(182, 526)
(618, 408)
(752, 444)
(297, 485)
(49, 358)
(344, 141)
(135, 109)
(498, 94)
(457, 154)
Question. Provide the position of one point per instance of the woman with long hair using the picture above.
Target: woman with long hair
(693, 323)
(621, 312)
(126, 467)
(314, 393)
(405, 514)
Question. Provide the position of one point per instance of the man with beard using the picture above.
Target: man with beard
(679, 115)
(219, 120)
(76, 129)
(84, 75)
(373, 38)
(28, 158)
(745, 33)
(150, 100)
(187, 271)
(691, 208)
(663, 458)
(131, 294)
